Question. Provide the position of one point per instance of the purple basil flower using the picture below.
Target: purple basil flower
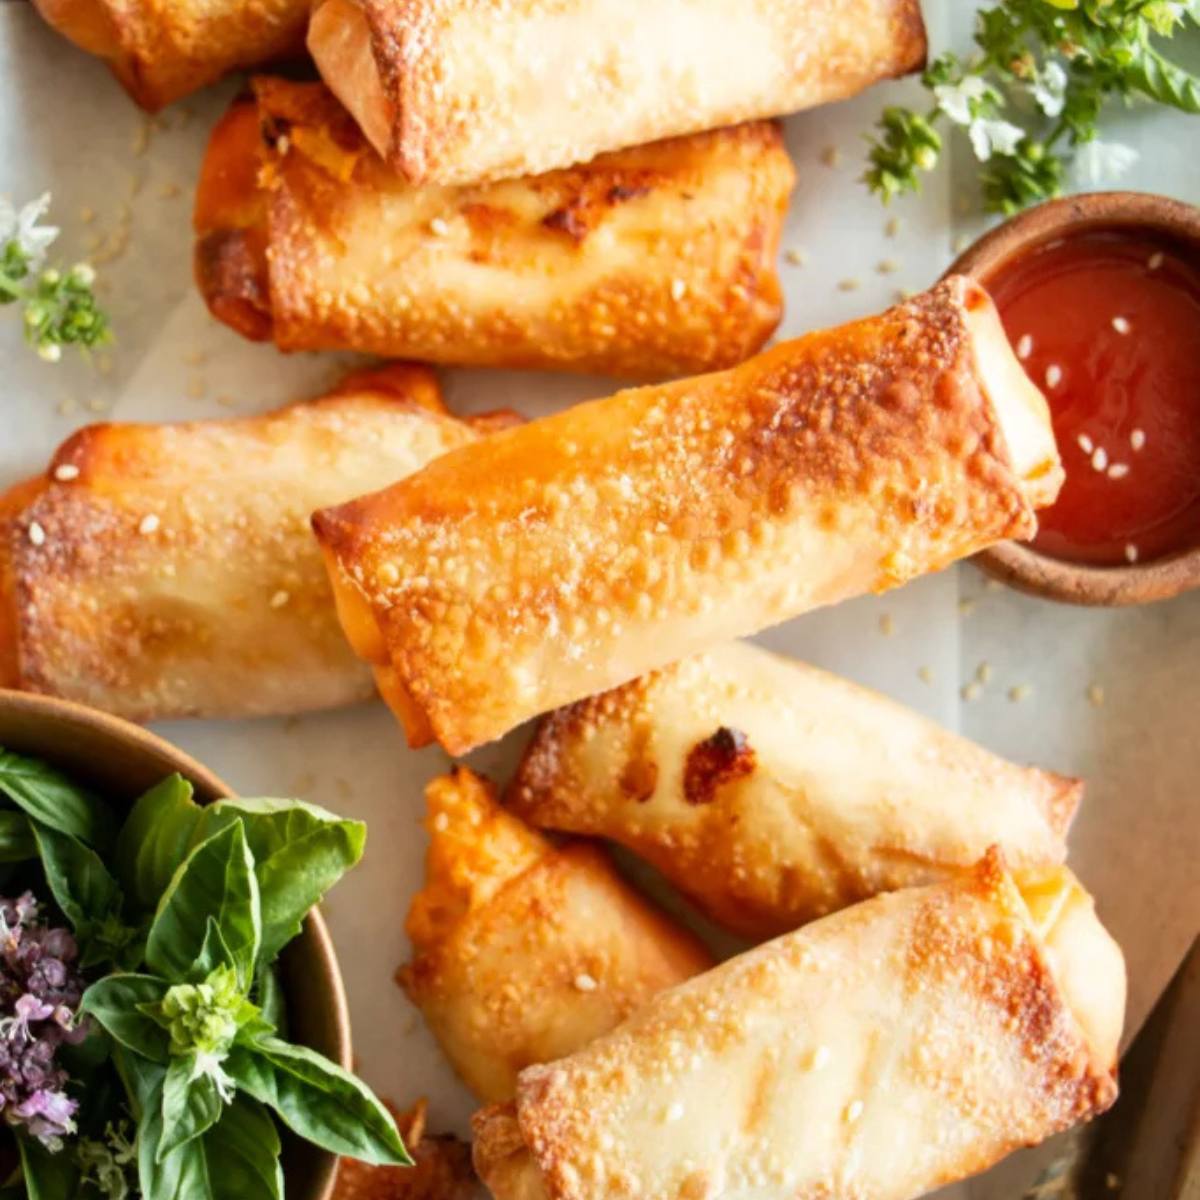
(40, 990)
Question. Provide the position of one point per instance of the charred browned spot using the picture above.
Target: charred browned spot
(231, 271)
(567, 220)
(620, 192)
(717, 760)
(639, 779)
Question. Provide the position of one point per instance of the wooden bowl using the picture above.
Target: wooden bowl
(1020, 565)
(121, 761)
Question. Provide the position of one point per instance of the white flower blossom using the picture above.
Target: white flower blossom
(954, 99)
(1049, 89)
(21, 226)
(1098, 162)
(208, 1063)
(994, 137)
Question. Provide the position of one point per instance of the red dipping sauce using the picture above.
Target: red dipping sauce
(1107, 324)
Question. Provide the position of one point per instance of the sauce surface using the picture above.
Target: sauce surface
(1107, 324)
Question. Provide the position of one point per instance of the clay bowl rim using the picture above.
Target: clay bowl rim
(318, 1008)
(1020, 565)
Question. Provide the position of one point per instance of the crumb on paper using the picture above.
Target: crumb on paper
(1095, 695)
(892, 228)
(966, 606)
(887, 626)
(97, 405)
(983, 672)
(970, 691)
(848, 285)
(170, 190)
(888, 266)
(197, 387)
(925, 674)
(796, 256)
(831, 156)
(1020, 692)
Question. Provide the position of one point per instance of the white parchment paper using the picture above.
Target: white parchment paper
(122, 188)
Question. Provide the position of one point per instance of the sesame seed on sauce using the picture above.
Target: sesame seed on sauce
(1025, 346)
(65, 472)
(1086, 444)
(37, 535)
(1137, 439)
(1131, 552)
(1100, 459)
(1053, 375)
(1118, 470)
(1121, 324)
(148, 524)
(1155, 260)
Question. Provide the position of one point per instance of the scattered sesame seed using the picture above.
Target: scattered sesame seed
(37, 535)
(970, 691)
(848, 285)
(820, 1058)
(1120, 324)
(983, 672)
(961, 242)
(854, 1110)
(903, 294)
(169, 191)
(149, 523)
(441, 822)
(886, 625)
(1095, 695)
(1100, 459)
(66, 406)
(675, 1112)
(65, 472)
(283, 144)
(585, 983)
(87, 215)
(678, 289)
(1118, 470)
(1131, 552)
(925, 674)
(1137, 439)
(966, 606)
(1053, 375)
(1025, 346)
(892, 227)
(1085, 443)
(889, 266)
(280, 598)
(796, 257)
(196, 387)
(194, 358)
(439, 227)
(97, 405)
(227, 402)
(1020, 692)
(831, 156)
(993, 585)
(104, 364)
(1155, 260)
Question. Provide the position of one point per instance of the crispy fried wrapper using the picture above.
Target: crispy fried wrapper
(557, 560)
(655, 261)
(772, 792)
(454, 91)
(881, 1052)
(524, 951)
(162, 571)
(162, 50)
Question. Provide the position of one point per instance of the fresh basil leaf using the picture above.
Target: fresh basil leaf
(47, 796)
(214, 953)
(191, 1104)
(16, 837)
(300, 851)
(118, 1003)
(48, 1176)
(155, 840)
(318, 1100)
(78, 879)
(217, 879)
(270, 998)
(242, 1149)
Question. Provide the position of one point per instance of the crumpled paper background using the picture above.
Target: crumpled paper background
(122, 186)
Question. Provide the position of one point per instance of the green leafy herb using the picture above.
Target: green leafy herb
(122, 1004)
(156, 838)
(16, 837)
(1031, 97)
(50, 798)
(60, 308)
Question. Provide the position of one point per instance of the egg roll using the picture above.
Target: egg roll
(161, 50)
(558, 560)
(771, 792)
(524, 951)
(454, 91)
(169, 570)
(881, 1052)
(650, 262)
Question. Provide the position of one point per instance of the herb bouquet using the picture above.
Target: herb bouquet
(143, 1031)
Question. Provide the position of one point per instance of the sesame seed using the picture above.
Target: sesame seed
(65, 472)
(925, 674)
(1118, 470)
(966, 607)
(903, 294)
(831, 156)
(970, 691)
(1155, 260)
(1100, 459)
(279, 599)
(283, 144)
(439, 227)
(1085, 443)
(796, 257)
(1137, 439)
(848, 285)
(1095, 695)
(37, 535)
(1120, 324)
(892, 227)
(1020, 692)
(149, 523)
(585, 983)
(1025, 346)
(97, 405)
(678, 289)
(1131, 552)
(441, 823)
(819, 1059)
(854, 1110)
(675, 1112)
(1053, 375)
(889, 266)
(886, 625)
(983, 672)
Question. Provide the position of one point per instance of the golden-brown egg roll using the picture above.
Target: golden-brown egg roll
(454, 91)
(879, 1053)
(161, 50)
(650, 262)
(169, 570)
(771, 792)
(554, 561)
(524, 951)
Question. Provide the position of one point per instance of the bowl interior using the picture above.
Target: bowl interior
(121, 761)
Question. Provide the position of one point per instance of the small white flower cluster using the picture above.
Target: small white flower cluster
(965, 104)
(21, 226)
